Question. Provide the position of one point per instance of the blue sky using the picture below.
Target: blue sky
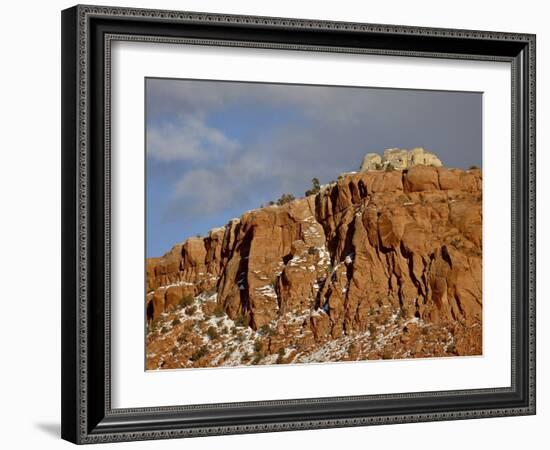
(216, 149)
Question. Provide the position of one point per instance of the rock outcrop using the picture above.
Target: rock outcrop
(375, 249)
(400, 159)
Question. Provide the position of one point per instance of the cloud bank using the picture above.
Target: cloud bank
(216, 149)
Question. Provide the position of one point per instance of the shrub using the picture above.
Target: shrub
(245, 357)
(153, 325)
(198, 354)
(258, 356)
(219, 311)
(164, 330)
(285, 198)
(372, 329)
(182, 338)
(224, 330)
(280, 356)
(353, 349)
(241, 320)
(258, 345)
(474, 167)
(267, 204)
(190, 310)
(174, 351)
(311, 251)
(266, 330)
(212, 333)
(186, 300)
(175, 322)
(389, 168)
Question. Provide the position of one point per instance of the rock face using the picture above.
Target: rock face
(375, 250)
(400, 159)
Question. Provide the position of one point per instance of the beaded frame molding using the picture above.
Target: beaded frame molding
(87, 34)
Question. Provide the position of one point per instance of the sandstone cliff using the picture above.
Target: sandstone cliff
(370, 263)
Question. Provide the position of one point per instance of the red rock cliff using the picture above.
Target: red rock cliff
(407, 240)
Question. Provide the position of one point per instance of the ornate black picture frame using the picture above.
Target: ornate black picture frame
(87, 34)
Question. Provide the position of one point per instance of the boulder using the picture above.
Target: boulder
(371, 161)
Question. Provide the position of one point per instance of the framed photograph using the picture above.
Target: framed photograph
(278, 224)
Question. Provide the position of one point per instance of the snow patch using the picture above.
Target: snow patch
(267, 291)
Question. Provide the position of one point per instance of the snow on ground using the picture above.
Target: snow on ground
(207, 297)
(293, 318)
(331, 351)
(324, 256)
(179, 283)
(296, 261)
(238, 345)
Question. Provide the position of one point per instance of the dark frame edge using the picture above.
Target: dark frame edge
(528, 190)
(69, 297)
(524, 119)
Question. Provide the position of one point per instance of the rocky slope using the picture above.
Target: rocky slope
(377, 265)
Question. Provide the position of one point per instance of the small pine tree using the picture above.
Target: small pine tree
(315, 187)
(315, 183)
(285, 198)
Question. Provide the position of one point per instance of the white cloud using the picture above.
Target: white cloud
(187, 139)
(219, 187)
(203, 191)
